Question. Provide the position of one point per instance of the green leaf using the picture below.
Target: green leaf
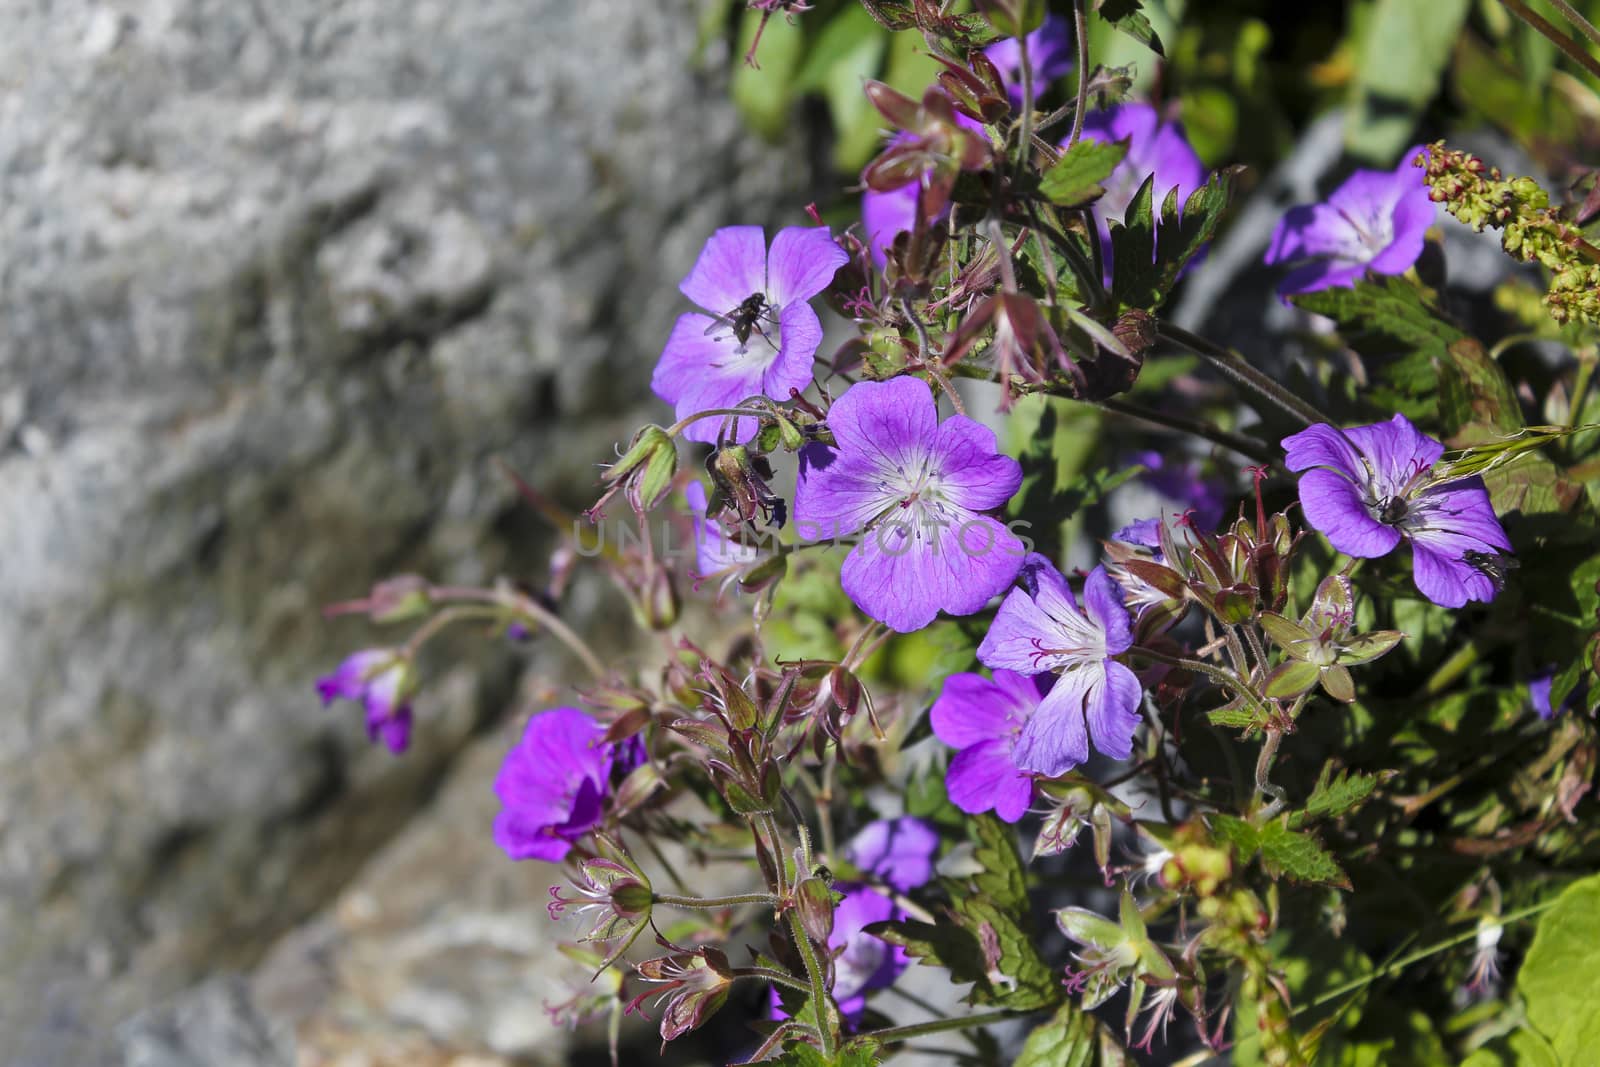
(1127, 17)
(1147, 268)
(1067, 1040)
(1244, 837)
(1338, 794)
(1074, 179)
(1559, 980)
(1017, 977)
(799, 1054)
(1475, 399)
(1238, 718)
(1002, 878)
(849, 50)
(765, 96)
(1298, 855)
(1400, 63)
(946, 944)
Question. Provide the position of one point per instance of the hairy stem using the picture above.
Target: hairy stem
(935, 1026)
(714, 903)
(1573, 50)
(1080, 20)
(1233, 442)
(819, 987)
(1237, 369)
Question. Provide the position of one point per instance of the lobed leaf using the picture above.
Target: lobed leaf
(1074, 179)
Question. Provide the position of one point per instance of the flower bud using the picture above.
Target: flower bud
(398, 599)
(814, 900)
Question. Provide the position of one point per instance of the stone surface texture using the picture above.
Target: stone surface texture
(278, 278)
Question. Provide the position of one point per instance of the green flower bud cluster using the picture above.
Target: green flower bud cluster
(1480, 196)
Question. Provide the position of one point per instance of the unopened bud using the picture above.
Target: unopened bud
(397, 599)
(814, 900)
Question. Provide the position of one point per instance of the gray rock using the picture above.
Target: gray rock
(279, 278)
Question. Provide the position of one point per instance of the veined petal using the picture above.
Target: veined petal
(1397, 451)
(1112, 707)
(1015, 637)
(890, 423)
(972, 709)
(1337, 508)
(527, 838)
(836, 494)
(972, 472)
(1056, 739)
(800, 332)
(1323, 446)
(906, 570)
(1457, 517)
(982, 778)
(1448, 581)
(732, 267)
(1321, 274)
(1103, 599)
(802, 262)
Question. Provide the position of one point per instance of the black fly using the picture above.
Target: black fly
(1391, 511)
(1492, 565)
(745, 319)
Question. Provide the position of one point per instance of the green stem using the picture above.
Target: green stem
(1421, 954)
(1217, 674)
(1237, 369)
(678, 427)
(1451, 669)
(819, 988)
(1574, 51)
(1233, 442)
(529, 608)
(936, 1026)
(788, 981)
(715, 903)
(1026, 146)
(1080, 20)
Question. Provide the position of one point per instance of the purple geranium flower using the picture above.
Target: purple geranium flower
(760, 333)
(1041, 628)
(1049, 54)
(982, 719)
(715, 552)
(916, 490)
(900, 851)
(1154, 148)
(381, 679)
(553, 784)
(1374, 221)
(1367, 488)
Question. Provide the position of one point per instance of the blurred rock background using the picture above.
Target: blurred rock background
(277, 279)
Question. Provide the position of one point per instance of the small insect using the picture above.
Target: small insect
(1492, 565)
(745, 319)
(1393, 510)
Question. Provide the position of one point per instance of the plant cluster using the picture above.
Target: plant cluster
(1318, 723)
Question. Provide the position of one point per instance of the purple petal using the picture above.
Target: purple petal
(884, 216)
(1323, 446)
(891, 423)
(1397, 451)
(802, 262)
(1448, 581)
(731, 268)
(1103, 600)
(1321, 274)
(1336, 507)
(903, 573)
(983, 777)
(1112, 705)
(1056, 740)
(899, 851)
(1014, 638)
(971, 709)
(1146, 533)
(800, 332)
(701, 372)
(836, 495)
(1539, 695)
(392, 727)
(524, 838)
(971, 472)
(1457, 517)
(349, 680)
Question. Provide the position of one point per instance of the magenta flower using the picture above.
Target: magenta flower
(1368, 488)
(553, 784)
(759, 333)
(1374, 221)
(1040, 628)
(899, 851)
(1049, 54)
(982, 719)
(715, 552)
(916, 490)
(381, 680)
(1154, 148)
